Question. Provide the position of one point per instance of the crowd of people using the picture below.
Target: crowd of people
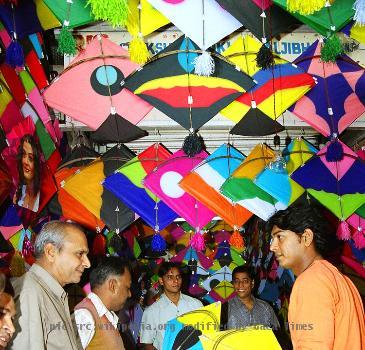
(325, 310)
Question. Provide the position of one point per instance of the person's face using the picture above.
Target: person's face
(242, 284)
(288, 248)
(28, 162)
(71, 260)
(7, 313)
(122, 290)
(171, 281)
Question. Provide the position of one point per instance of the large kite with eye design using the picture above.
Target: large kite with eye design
(92, 86)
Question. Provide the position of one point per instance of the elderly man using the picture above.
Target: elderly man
(44, 320)
(244, 310)
(96, 320)
(172, 303)
(325, 310)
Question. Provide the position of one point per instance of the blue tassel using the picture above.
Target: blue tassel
(334, 151)
(359, 7)
(15, 55)
(158, 243)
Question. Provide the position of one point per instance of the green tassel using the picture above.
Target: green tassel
(66, 42)
(114, 11)
(331, 49)
(138, 50)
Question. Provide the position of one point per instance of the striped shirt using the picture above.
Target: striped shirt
(239, 316)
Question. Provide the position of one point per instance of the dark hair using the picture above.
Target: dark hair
(300, 217)
(166, 266)
(244, 269)
(36, 159)
(108, 266)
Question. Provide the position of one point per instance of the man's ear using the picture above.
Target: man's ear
(112, 283)
(50, 252)
(160, 280)
(308, 236)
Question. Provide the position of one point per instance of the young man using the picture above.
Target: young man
(244, 310)
(325, 310)
(172, 303)
(95, 316)
(43, 313)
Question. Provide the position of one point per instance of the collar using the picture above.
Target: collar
(165, 298)
(50, 281)
(102, 310)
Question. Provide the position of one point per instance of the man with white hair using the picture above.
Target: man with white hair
(43, 314)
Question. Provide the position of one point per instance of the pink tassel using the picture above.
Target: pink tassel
(197, 242)
(359, 238)
(343, 231)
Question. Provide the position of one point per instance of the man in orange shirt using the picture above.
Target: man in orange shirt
(325, 310)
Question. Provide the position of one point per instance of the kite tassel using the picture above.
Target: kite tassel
(193, 144)
(114, 11)
(265, 57)
(306, 7)
(158, 244)
(204, 64)
(236, 240)
(359, 238)
(138, 50)
(331, 49)
(334, 151)
(99, 245)
(15, 55)
(66, 42)
(17, 266)
(343, 231)
(197, 242)
(359, 7)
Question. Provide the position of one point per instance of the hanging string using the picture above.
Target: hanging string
(204, 63)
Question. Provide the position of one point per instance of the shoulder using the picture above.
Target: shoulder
(155, 306)
(190, 300)
(26, 286)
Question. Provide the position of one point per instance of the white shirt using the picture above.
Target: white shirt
(85, 321)
(156, 316)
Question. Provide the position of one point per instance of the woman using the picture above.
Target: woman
(27, 194)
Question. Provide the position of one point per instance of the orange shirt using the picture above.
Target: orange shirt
(325, 310)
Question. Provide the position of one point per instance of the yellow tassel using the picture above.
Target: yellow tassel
(236, 240)
(305, 7)
(138, 50)
(17, 266)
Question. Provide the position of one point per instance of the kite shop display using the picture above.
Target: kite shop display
(203, 210)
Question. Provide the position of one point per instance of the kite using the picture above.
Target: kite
(92, 86)
(278, 183)
(127, 184)
(277, 89)
(168, 83)
(164, 180)
(204, 182)
(203, 17)
(86, 187)
(338, 98)
(338, 185)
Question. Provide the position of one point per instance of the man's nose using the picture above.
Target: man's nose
(86, 262)
(273, 244)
